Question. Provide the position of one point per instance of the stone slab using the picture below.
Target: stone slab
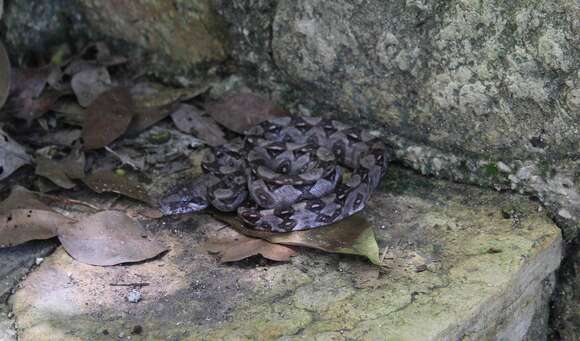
(458, 263)
(15, 263)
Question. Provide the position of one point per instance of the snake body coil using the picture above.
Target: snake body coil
(286, 175)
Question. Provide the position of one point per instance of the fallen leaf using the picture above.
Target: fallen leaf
(352, 235)
(61, 137)
(20, 220)
(146, 117)
(108, 118)
(22, 198)
(108, 238)
(70, 111)
(107, 181)
(18, 226)
(243, 247)
(28, 99)
(30, 109)
(153, 95)
(5, 75)
(190, 120)
(53, 171)
(89, 84)
(12, 155)
(62, 172)
(243, 111)
(30, 82)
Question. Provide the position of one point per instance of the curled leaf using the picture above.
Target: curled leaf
(243, 247)
(88, 84)
(108, 238)
(107, 181)
(108, 118)
(242, 111)
(352, 235)
(12, 155)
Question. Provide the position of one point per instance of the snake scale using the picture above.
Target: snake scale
(287, 175)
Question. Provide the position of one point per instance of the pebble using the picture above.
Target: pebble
(134, 296)
(39, 260)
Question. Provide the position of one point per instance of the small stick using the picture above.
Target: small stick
(140, 285)
(384, 254)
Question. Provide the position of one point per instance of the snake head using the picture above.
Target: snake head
(182, 202)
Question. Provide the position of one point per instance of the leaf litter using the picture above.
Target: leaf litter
(112, 111)
(12, 155)
(108, 181)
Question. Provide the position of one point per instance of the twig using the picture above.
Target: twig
(139, 285)
(124, 159)
(55, 198)
(384, 254)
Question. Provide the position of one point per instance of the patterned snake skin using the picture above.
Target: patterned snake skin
(286, 175)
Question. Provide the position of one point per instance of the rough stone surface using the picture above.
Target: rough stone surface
(481, 77)
(186, 34)
(7, 331)
(459, 88)
(459, 262)
(15, 262)
(32, 30)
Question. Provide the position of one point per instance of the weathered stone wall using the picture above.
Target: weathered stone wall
(175, 40)
(177, 37)
(484, 92)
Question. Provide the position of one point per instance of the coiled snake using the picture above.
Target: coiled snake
(286, 175)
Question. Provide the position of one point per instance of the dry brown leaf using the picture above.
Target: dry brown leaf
(21, 197)
(108, 238)
(107, 181)
(53, 171)
(5, 75)
(243, 247)
(352, 235)
(146, 117)
(153, 95)
(190, 120)
(243, 111)
(61, 137)
(90, 83)
(62, 172)
(12, 155)
(18, 226)
(70, 111)
(108, 118)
